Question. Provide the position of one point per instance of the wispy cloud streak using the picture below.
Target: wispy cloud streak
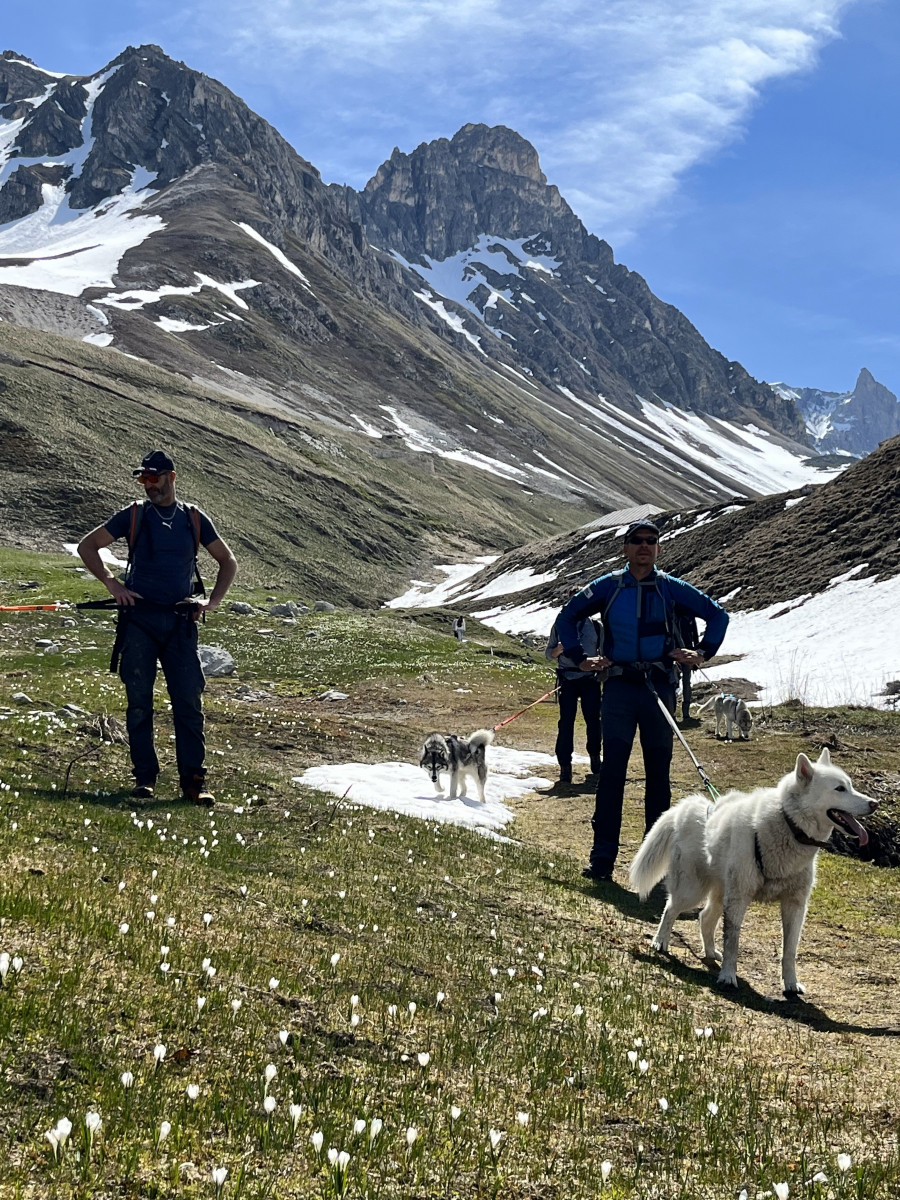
(621, 98)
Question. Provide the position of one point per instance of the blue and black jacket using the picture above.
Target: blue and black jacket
(638, 617)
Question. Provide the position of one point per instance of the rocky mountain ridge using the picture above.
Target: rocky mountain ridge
(149, 211)
(853, 422)
(479, 204)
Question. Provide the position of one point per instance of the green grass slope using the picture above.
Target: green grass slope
(318, 1000)
(305, 506)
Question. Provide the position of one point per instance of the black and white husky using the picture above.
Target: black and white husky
(460, 756)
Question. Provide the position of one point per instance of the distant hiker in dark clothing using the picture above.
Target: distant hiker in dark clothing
(640, 652)
(459, 628)
(688, 637)
(158, 614)
(577, 686)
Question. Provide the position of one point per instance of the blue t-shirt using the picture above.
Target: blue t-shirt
(162, 568)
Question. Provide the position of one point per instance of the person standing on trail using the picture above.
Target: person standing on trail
(577, 686)
(159, 607)
(459, 628)
(639, 652)
(688, 638)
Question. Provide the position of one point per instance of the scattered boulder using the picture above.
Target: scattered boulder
(21, 698)
(287, 609)
(333, 694)
(43, 643)
(72, 710)
(323, 606)
(215, 661)
(53, 648)
(241, 607)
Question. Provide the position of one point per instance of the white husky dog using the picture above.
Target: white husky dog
(759, 845)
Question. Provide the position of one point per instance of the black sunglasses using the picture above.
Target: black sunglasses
(643, 541)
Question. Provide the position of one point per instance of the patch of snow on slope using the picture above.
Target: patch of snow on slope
(404, 788)
(534, 618)
(138, 297)
(278, 255)
(839, 647)
(520, 579)
(435, 595)
(761, 464)
(449, 318)
(415, 440)
(78, 253)
(460, 275)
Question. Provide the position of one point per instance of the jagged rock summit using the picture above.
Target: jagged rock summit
(852, 422)
(476, 219)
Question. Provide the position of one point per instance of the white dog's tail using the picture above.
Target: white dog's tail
(481, 737)
(710, 701)
(652, 860)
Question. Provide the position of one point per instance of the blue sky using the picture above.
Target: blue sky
(740, 155)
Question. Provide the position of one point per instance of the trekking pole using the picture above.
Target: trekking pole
(546, 696)
(707, 782)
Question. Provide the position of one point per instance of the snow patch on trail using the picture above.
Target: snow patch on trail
(403, 788)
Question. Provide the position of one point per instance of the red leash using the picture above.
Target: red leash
(546, 696)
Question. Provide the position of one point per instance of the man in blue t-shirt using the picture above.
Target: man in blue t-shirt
(152, 626)
(639, 652)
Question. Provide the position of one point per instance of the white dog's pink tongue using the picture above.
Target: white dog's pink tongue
(854, 826)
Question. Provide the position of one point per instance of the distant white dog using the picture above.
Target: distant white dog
(759, 845)
(733, 711)
(458, 756)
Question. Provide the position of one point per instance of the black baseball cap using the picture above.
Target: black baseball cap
(636, 525)
(156, 460)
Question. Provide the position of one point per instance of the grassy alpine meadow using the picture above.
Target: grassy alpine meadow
(290, 995)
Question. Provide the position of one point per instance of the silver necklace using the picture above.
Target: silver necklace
(167, 524)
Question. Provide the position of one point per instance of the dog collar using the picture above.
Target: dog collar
(801, 836)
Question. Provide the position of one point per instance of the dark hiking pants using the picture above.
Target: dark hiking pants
(588, 691)
(629, 708)
(160, 635)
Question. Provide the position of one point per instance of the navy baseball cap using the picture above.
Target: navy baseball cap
(156, 461)
(636, 525)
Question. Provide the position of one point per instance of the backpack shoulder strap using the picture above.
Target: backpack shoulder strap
(620, 583)
(134, 532)
(192, 512)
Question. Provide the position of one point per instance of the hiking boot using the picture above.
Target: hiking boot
(143, 791)
(565, 774)
(196, 791)
(600, 870)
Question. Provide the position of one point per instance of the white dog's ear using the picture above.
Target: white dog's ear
(825, 757)
(805, 769)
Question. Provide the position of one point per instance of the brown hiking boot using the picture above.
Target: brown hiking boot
(196, 791)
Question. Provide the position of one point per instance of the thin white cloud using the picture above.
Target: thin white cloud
(620, 97)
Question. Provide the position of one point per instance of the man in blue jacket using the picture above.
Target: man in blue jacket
(640, 650)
